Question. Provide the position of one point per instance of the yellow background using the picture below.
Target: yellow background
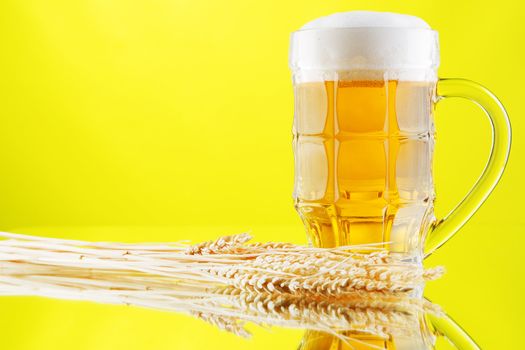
(167, 120)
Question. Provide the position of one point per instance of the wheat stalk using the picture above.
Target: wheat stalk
(227, 282)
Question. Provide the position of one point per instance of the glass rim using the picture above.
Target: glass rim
(361, 28)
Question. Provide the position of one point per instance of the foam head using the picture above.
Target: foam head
(399, 46)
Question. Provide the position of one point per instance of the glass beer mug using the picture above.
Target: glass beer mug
(365, 87)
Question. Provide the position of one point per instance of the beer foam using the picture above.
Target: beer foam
(394, 45)
(368, 19)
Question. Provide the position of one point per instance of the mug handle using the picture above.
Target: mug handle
(442, 230)
(445, 325)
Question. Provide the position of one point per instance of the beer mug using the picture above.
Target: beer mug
(365, 87)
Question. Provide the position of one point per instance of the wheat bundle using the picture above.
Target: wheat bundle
(226, 282)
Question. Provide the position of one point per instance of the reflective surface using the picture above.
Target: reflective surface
(410, 332)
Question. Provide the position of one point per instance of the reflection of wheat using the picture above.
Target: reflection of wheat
(226, 282)
(378, 314)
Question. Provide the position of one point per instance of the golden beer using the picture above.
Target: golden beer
(363, 152)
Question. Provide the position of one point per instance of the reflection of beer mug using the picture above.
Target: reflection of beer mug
(421, 337)
(365, 88)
